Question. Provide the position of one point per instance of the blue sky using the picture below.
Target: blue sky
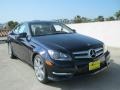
(25, 10)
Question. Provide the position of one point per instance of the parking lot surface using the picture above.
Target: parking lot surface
(17, 75)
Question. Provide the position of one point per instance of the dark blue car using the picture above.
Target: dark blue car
(56, 51)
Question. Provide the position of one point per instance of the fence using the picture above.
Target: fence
(4, 33)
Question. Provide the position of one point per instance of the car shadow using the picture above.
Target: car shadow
(3, 41)
(106, 80)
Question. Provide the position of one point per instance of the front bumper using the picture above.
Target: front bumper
(64, 71)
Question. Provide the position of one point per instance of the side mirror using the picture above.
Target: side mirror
(22, 35)
(74, 30)
(11, 33)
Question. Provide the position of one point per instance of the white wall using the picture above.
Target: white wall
(108, 32)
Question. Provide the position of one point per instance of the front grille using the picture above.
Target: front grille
(86, 54)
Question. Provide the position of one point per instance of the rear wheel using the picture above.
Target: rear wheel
(40, 69)
(10, 51)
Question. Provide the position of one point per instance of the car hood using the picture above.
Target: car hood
(69, 42)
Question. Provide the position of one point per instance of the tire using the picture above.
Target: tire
(10, 51)
(40, 70)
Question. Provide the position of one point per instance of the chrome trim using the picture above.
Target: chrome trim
(99, 53)
(77, 57)
(100, 70)
(77, 54)
(98, 49)
(92, 53)
(81, 52)
(62, 73)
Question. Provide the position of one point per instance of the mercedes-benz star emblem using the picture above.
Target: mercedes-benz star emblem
(92, 53)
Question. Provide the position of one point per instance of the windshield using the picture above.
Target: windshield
(49, 28)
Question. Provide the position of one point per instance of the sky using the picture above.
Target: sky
(26, 10)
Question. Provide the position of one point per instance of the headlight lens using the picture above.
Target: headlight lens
(105, 48)
(59, 55)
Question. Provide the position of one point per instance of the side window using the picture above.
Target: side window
(16, 30)
(22, 29)
(58, 27)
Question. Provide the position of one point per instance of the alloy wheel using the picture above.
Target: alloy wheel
(39, 68)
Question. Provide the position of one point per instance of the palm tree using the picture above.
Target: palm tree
(117, 15)
(99, 18)
(12, 24)
(111, 18)
(77, 19)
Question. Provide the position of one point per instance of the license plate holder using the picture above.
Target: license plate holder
(94, 65)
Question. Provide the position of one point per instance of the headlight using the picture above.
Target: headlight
(59, 55)
(105, 48)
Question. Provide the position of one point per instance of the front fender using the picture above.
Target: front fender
(41, 51)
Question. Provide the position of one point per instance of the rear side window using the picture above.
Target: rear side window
(16, 30)
(22, 29)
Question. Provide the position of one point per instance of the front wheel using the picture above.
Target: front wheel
(40, 69)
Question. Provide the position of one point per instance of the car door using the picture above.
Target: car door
(14, 42)
(23, 43)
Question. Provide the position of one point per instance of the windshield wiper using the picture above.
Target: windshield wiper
(60, 33)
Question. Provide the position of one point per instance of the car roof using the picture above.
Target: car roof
(38, 21)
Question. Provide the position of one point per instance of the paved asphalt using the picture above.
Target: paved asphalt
(3, 38)
(16, 75)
